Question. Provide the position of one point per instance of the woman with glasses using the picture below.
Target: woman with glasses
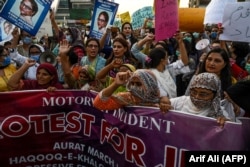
(102, 21)
(217, 62)
(93, 60)
(28, 8)
(204, 98)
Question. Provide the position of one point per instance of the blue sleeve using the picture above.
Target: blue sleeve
(138, 54)
(100, 64)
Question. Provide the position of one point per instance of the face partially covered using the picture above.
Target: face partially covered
(204, 89)
(143, 84)
(201, 98)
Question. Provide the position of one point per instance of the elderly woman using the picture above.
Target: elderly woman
(142, 90)
(46, 78)
(204, 99)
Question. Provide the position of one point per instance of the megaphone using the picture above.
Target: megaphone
(48, 57)
(203, 44)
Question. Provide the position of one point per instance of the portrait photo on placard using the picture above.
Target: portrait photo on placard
(6, 29)
(27, 10)
(102, 20)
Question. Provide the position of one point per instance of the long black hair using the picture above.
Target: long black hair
(155, 57)
(225, 74)
(128, 56)
(132, 38)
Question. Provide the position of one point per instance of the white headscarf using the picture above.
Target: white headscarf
(211, 82)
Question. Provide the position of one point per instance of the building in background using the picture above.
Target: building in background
(74, 12)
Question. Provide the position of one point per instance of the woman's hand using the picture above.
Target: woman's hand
(122, 77)
(63, 50)
(29, 62)
(221, 121)
(178, 36)
(165, 104)
(51, 89)
(116, 63)
(149, 37)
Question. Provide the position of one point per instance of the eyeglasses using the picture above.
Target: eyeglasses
(101, 20)
(200, 94)
(26, 6)
(92, 46)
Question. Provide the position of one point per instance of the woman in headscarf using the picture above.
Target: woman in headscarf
(204, 99)
(142, 89)
(46, 78)
(86, 78)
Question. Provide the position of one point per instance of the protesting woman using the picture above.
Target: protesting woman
(46, 77)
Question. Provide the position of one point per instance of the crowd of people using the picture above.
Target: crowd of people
(171, 74)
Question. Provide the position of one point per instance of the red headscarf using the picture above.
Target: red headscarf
(33, 84)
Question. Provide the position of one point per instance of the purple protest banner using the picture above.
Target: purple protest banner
(62, 128)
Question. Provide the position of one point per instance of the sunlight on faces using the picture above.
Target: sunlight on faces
(43, 77)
